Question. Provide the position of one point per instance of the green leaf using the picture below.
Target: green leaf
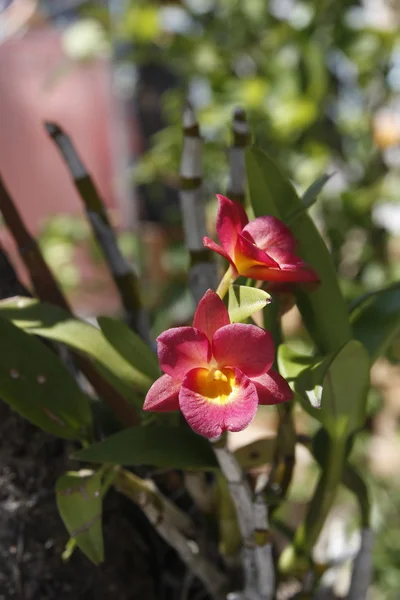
(35, 383)
(309, 197)
(57, 324)
(245, 301)
(79, 501)
(376, 319)
(338, 385)
(324, 311)
(159, 446)
(130, 346)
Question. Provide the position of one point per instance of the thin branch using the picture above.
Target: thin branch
(202, 272)
(47, 289)
(236, 153)
(158, 511)
(125, 279)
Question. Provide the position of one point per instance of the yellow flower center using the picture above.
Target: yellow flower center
(217, 385)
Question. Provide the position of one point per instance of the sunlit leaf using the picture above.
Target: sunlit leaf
(57, 324)
(130, 346)
(79, 501)
(35, 383)
(245, 301)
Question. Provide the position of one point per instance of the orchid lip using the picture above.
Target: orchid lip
(217, 386)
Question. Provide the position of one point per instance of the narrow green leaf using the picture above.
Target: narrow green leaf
(79, 501)
(130, 346)
(35, 383)
(54, 323)
(245, 301)
(309, 197)
(271, 193)
(376, 319)
(154, 445)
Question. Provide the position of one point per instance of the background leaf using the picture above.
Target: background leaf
(57, 324)
(79, 502)
(155, 445)
(376, 319)
(35, 383)
(245, 301)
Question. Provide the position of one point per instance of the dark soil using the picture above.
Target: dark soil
(139, 565)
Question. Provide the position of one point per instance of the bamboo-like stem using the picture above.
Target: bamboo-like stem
(252, 518)
(265, 564)
(47, 289)
(236, 153)
(362, 569)
(169, 527)
(122, 273)
(202, 272)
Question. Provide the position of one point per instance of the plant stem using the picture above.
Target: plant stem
(296, 555)
(225, 282)
(171, 525)
(236, 153)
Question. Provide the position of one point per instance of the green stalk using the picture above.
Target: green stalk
(225, 282)
(295, 557)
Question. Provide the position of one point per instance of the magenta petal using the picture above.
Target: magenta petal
(231, 218)
(211, 314)
(181, 349)
(246, 347)
(211, 245)
(272, 388)
(269, 231)
(211, 416)
(163, 395)
(246, 248)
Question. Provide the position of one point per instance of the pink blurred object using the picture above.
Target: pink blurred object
(35, 86)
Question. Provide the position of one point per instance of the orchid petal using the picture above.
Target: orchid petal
(248, 255)
(231, 218)
(267, 232)
(163, 395)
(212, 406)
(246, 347)
(303, 275)
(211, 314)
(272, 388)
(181, 349)
(211, 245)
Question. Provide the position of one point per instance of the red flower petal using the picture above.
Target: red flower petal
(246, 347)
(211, 245)
(248, 255)
(181, 349)
(231, 219)
(272, 388)
(211, 314)
(212, 406)
(268, 231)
(163, 395)
(305, 274)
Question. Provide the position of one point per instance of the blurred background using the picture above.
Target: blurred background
(320, 82)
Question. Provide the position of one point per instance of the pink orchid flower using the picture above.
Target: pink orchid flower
(216, 373)
(263, 249)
